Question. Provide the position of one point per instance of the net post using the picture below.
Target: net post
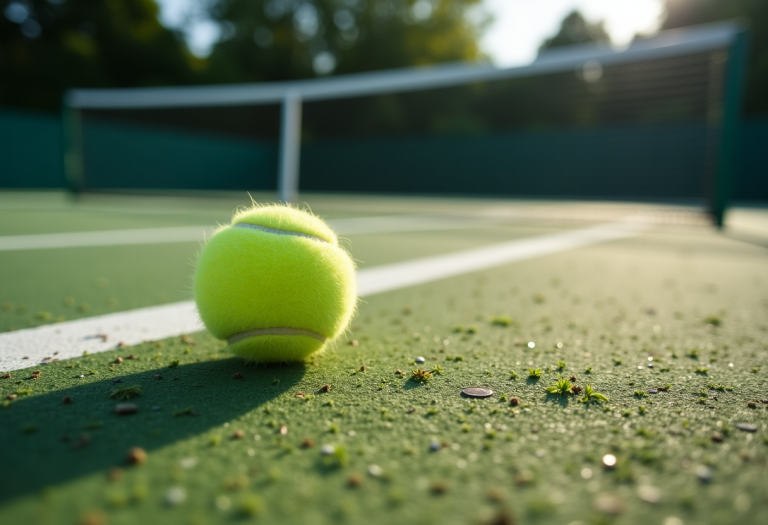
(290, 148)
(730, 125)
(73, 145)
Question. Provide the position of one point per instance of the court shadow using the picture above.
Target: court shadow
(557, 398)
(44, 442)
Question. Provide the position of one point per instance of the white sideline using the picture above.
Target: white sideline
(101, 333)
(351, 226)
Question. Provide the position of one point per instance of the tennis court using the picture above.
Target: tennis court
(670, 306)
(563, 236)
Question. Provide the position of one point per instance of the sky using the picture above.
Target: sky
(518, 29)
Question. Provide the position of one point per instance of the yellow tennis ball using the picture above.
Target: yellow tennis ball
(275, 284)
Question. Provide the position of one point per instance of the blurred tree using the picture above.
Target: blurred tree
(575, 29)
(47, 46)
(284, 39)
(680, 13)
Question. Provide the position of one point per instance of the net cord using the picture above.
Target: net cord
(666, 44)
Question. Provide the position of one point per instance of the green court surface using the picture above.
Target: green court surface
(689, 301)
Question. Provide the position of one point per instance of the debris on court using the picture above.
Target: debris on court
(421, 376)
(136, 456)
(123, 409)
(126, 392)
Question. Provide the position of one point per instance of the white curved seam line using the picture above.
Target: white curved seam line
(277, 231)
(275, 331)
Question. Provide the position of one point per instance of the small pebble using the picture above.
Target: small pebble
(187, 463)
(653, 391)
(81, 376)
(751, 404)
(354, 480)
(717, 437)
(327, 450)
(308, 443)
(609, 504)
(353, 342)
(126, 408)
(704, 473)
(136, 456)
(420, 360)
(374, 471)
(434, 446)
(238, 434)
(609, 460)
(746, 427)
(175, 496)
(118, 380)
(11, 397)
(650, 365)
(477, 392)
(67, 400)
(283, 430)
(649, 494)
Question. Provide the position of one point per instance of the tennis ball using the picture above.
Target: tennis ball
(275, 284)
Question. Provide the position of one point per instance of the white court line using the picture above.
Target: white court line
(71, 338)
(352, 226)
(104, 238)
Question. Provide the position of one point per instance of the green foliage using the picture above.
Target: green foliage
(591, 395)
(339, 458)
(126, 392)
(501, 320)
(421, 376)
(534, 373)
(266, 40)
(644, 432)
(251, 505)
(81, 43)
(562, 387)
(575, 29)
(721, 388)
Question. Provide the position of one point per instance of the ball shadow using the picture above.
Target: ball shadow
(44, 442)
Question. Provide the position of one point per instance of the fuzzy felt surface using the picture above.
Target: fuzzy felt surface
(276, 348)
(248, 279)
(286, 218)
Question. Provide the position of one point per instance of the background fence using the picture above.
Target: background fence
(31, 149)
